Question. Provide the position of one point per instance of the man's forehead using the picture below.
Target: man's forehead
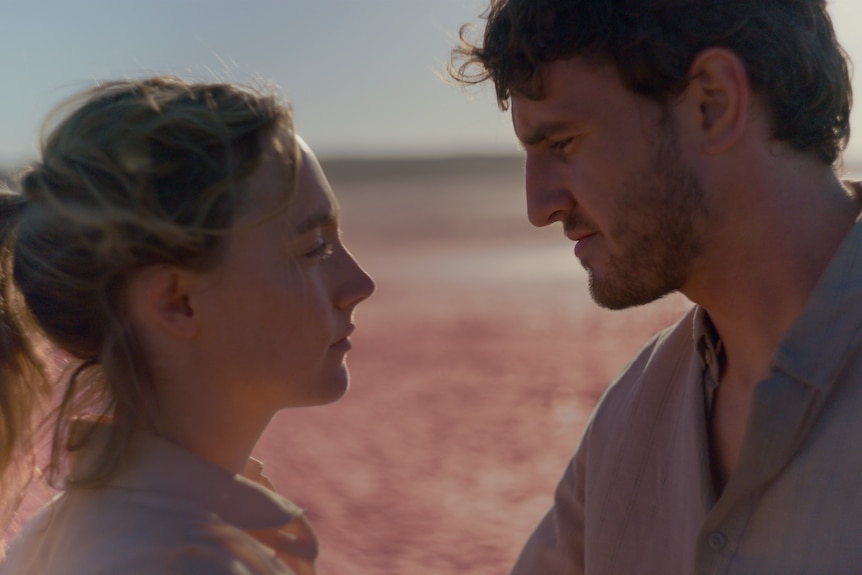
(525, 126)
(535, 119)
(570, 89)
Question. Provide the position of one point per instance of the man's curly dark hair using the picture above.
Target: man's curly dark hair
(789, 48)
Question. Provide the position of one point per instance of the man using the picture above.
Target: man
(691, 145)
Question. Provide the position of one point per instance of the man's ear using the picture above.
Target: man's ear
(717, 98)
(160, 301)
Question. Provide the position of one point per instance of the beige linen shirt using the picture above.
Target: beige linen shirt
(167, 511)
(637, 497)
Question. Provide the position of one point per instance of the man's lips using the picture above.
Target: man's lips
(582, 239)
(577, 236)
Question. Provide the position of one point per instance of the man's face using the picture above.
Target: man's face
(606, 163)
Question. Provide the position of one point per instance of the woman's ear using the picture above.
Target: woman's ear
(717, 97)
(160, 302)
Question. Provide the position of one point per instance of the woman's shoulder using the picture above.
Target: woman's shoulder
(214, 549)
(117, 531)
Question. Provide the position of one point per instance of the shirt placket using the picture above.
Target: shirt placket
(781, 415)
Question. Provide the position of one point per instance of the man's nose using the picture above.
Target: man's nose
(549, 198)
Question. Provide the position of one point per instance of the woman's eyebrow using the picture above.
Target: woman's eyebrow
(318, 220)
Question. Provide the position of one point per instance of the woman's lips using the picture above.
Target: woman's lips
(344, 344)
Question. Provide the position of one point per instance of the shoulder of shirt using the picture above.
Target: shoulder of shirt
(220, 556)
(182, 546)
(191, 559)
(672, 345)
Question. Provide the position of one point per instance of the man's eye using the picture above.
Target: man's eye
(561, 145)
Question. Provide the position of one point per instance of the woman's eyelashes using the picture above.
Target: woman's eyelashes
(322, 251)
(318, 244)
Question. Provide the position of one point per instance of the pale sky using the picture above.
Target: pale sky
(362, 74)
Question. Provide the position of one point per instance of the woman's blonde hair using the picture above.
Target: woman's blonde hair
(140, 172)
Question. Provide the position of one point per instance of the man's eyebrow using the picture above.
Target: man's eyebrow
(542, 132)
(317, 220)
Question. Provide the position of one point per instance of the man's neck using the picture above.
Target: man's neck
(770, 259)
(756, 288)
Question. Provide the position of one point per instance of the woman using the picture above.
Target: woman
(181, 245)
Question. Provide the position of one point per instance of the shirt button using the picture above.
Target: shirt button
(717, 541)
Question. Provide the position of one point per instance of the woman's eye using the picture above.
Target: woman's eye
(322, 251)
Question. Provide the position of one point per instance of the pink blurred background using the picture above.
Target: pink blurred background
(474, 368)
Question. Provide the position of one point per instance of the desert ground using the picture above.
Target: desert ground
(474, 369)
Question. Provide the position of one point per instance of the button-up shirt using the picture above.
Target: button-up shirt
(166, 511)
(638, 495)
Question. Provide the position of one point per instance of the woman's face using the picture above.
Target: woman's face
(282, 298)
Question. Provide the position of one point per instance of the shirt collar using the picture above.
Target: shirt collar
(156, 465)
(709, 350)
(827, 329)
(829, 326)
(818, 344)
(707, 342)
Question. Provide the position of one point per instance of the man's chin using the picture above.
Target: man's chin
(620, 295)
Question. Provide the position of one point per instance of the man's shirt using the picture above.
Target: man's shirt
(638, 496)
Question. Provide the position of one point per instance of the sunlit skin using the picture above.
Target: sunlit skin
(605, 163)
(267, 328)
(696, 198)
